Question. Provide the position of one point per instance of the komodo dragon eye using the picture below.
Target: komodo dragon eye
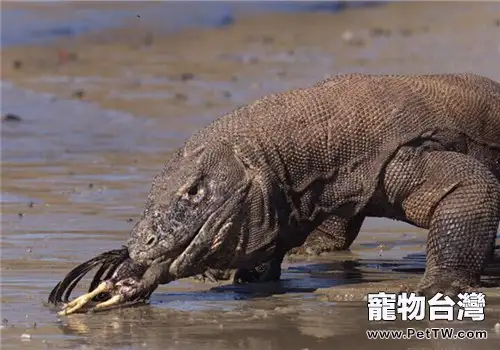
(193, 191)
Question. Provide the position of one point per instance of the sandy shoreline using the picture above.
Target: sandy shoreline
(138, 70)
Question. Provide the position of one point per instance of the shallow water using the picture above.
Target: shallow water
(74, 181)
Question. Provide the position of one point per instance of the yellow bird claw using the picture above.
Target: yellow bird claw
(82, 300)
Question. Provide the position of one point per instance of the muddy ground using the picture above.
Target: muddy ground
(100, 114)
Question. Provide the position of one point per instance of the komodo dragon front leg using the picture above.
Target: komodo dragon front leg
(457, 198)
(334, 234)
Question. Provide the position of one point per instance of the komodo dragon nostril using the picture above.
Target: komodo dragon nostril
(151, 240)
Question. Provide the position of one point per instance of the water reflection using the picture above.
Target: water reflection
(280, 323)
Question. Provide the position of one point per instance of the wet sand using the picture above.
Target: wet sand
(100, 119)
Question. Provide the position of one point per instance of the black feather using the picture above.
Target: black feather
(108, 261)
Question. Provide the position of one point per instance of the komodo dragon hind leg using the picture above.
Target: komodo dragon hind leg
(458, 199)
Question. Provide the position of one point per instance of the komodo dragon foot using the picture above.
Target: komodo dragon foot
(214, 275)
(266, 272)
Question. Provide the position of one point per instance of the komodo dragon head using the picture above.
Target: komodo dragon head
(206, 209)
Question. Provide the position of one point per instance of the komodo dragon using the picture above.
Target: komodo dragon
(254, 184)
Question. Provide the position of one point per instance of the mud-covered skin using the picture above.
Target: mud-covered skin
(253, 185)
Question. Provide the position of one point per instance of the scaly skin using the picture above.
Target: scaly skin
(314, 162)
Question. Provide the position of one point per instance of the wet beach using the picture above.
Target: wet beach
(105, 92)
